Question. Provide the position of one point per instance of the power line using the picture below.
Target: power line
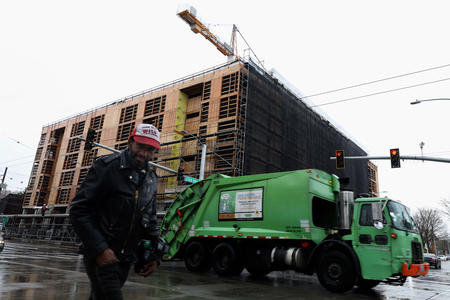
(18, 142)
(376, 81)
(27, 162)
(383, 92)
(20, 158)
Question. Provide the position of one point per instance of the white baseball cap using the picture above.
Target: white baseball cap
(146, 134)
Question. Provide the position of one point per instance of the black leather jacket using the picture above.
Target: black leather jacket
(115, 207)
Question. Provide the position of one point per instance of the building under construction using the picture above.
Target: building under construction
(250, 121)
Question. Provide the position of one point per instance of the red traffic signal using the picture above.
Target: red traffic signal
(340, 161)
(395, 158)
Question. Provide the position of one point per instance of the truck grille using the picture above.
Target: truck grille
(416, 252)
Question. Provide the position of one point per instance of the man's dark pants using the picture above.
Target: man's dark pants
(106, 280)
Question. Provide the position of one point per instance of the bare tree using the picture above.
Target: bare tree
(430, 224)
(445, 207)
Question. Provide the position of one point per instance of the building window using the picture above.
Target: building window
(42, 140)
(73, 145)
(121, 146)
(156, 121)
(47, 167)
(128, 113)
(206, 90)
(204, 112)
(38, 154)
(35, 168)
(225, 161)
(77, 128)
(124, 131)
(66, 178)
(70, 161)
(202, 130)
(63, 196)
(228, 107)
(82, 176)
(155, 106)
(51, 152)
(31, 182)
(230, 83)
(228, 127)
(26, 200)
(44, 180)
(89, 157)
(97, 122)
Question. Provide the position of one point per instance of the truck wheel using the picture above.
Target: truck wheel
(336, 272)
(226, 261)
(367, 284)
(197, 258)
(257, 264)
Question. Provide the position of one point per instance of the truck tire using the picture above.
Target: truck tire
(257, 264)
(226, 260)
(366, 284)
(336, 272)
(197, 258)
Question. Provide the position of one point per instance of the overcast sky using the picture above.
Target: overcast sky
(59, 58)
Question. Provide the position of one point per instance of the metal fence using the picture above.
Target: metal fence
(40, 228)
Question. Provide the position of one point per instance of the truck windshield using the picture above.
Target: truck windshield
(400, 217)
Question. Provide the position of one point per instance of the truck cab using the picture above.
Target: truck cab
(385, 237)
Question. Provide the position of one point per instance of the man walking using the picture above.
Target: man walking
(114, 209)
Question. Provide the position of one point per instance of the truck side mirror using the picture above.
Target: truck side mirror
(377, 215)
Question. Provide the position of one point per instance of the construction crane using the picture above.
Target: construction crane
(189, 16)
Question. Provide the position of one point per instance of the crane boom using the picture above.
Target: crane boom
(198, 27)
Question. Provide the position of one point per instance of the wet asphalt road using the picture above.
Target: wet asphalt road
(31, 271)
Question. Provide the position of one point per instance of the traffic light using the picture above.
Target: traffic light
(180, 176)
(340, 162)
(89, 144)
(395, 158)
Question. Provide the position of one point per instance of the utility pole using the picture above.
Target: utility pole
(202, 163)
(3, 180)
(203, 157)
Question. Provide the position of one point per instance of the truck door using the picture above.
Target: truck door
(372, 245)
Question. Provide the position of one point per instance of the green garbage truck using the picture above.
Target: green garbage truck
(297, 220)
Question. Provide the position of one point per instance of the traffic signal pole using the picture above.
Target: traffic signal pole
(3, 179)
(403, 157)
(117, 151)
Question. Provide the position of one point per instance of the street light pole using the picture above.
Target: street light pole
(202, 162)
(203, 158)
(436, 99)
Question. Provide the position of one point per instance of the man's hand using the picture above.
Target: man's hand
(148, 268)
(106, 257)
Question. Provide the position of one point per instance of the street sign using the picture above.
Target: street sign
(190, 179)
(5, 220)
